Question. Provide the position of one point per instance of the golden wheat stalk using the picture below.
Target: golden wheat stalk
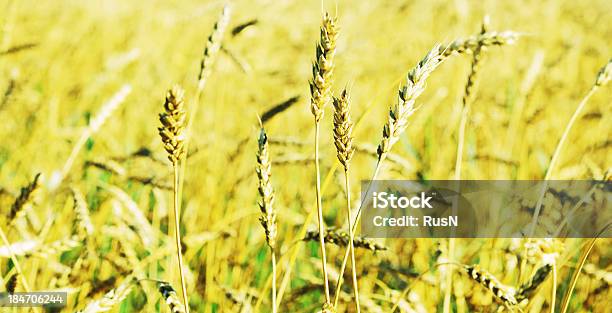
(320, 85)
(172, 135)
(266, 205)
(343, 128)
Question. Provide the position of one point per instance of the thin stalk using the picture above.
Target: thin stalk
(568, 127)
(572, 285)
(554, 288)
(273, 280)
(555, 157)
(320, 216)
(296, 248)
(353, 228)
(177, 237)
(451, 241)
(350, 248)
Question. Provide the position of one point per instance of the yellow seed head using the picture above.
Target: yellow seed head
(173, 124)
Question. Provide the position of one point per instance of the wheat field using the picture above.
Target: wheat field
(157, 153)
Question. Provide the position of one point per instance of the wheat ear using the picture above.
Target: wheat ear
(85, 226)
(343, 128)
(110, 299)
(527, 289)
(170, 297)
(172, 135)
(11, 284)
(414, 87)
(502, 292)
(473, 43)
(341, 238)
(213, 45)
(25, 195)
(266, 205)
(320, 85)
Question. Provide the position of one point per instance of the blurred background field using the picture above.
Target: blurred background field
(78, 54)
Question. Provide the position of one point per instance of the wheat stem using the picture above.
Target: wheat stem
(177, 237)
(274, 304)
(603, 77)
(320, 216)
(172, 134)
(554, 288)
(350, 247)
